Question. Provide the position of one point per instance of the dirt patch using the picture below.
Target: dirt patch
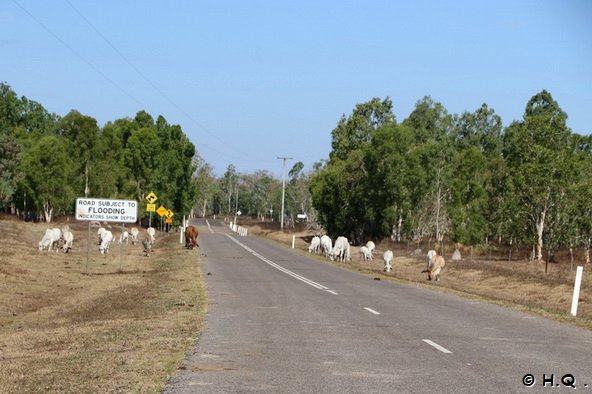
(71, 325)
(520, 284)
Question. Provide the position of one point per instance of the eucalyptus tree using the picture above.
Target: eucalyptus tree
(581, 196)
(175, 167)
(49, 169)
(139, 157)
(228, 185)
(340, 190)
(352, 131)
(537, 155)
(204, 181)
(82, 133)
(10, 155)
(433, 152)
(260, 193)
(390, 184)
(110, 177)
(477, 142)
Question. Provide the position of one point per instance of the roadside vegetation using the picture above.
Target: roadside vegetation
(63, 330)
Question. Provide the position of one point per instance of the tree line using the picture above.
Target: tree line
(434, 176)
(47, 161)
(464, 178)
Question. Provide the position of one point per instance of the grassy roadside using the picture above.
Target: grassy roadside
(62, 330)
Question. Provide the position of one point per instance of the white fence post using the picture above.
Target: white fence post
(576, 293)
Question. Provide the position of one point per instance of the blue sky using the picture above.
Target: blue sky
(249, 81)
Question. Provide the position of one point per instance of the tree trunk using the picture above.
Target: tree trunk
(47, 211)
(203, 212)
(540, 226)
(86, 187)
(399, 225)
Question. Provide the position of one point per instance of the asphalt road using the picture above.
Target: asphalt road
(282, 322)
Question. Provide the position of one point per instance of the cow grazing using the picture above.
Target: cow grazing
(435, 264)
(365, 253)
(134, 232)
(68, 238)
(106, 239)
(191, 234)
(326, 245)
(50, 238)
(371, 246)
(388, 258)
(315, 245)
(151, 234)
(123, 238)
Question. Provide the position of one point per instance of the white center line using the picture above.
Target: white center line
(372, 311)
(434, 344)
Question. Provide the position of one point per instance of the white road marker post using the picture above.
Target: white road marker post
(293, 240)
(576, 293)
(182, 231)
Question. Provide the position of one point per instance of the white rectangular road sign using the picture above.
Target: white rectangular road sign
(120, 211)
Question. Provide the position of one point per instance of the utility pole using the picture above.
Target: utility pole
(283, 188)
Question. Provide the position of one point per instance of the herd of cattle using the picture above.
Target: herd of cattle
(62, 239)
(341, 252)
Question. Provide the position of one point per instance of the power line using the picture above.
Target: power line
(154, 86)
(96, 69)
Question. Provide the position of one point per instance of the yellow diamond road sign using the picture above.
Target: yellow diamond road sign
(170, 214)
(151, 198)
(162, 210)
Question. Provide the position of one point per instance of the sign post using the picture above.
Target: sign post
(104, 210)
(151, 198)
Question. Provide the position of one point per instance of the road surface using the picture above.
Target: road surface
(281, 322)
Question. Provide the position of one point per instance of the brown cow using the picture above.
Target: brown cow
(191, 234)
(435, 263)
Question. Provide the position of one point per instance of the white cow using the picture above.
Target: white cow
(106, 239)
(68, 238)
(340, 251)
(51, 237)
(315, 245)
(326, 245)
(134, 232)
(435, 265)
(371, 246)
(365, 253)
(151, 233)
(388, 258)
(100, 233)
(123, 237)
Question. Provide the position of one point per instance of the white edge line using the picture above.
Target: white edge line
(332, 292)
(372, 311)
(440, 348)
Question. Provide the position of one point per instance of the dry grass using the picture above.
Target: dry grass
(65, 330)
(519, 284)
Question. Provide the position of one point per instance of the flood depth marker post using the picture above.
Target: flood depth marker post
(576, 293)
